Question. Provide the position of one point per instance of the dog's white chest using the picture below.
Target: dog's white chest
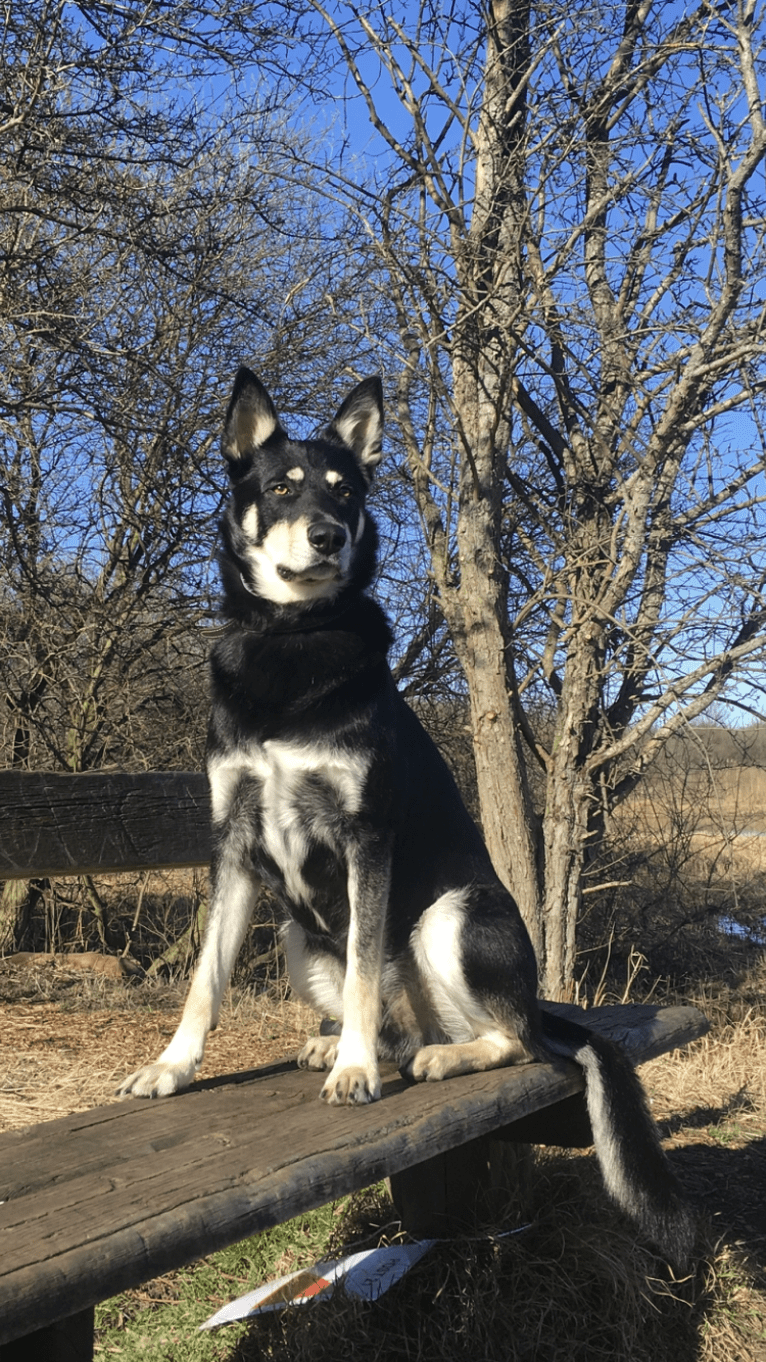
(302, 789)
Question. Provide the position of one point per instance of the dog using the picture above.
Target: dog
(325, 787)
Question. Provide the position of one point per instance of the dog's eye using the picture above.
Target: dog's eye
(345, 490)
(281, 489)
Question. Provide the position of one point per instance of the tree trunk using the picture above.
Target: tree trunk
(504, 798)
(568, 822)
(14, 907)
(483, 356)
(566, 837)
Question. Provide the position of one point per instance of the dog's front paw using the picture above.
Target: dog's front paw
(157, 1080)
(319, 1052)
(351, 1087)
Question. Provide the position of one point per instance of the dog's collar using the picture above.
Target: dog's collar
(305, 626)
(308, 626)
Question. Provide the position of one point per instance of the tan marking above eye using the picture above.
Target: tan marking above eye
(296, 474)
(335, 480)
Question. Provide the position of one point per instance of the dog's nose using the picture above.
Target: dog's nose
(326, 537)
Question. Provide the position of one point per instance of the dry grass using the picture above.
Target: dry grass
(573, 1287)
(733, 798)
(718, 817)
(737, 855)
(69, 1040)
(725, 1066)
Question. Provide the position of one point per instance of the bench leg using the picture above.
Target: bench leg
(485, 1182)
(70, 1340)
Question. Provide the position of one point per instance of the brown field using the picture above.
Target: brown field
(71, 1039)
(727, 806)
(687, 856)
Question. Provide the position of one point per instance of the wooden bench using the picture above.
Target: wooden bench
(104, 1200)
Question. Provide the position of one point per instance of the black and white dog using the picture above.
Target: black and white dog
(325, 787)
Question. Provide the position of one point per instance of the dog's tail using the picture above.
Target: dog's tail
(635, 1170)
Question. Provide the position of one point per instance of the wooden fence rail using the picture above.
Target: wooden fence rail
(54, 824)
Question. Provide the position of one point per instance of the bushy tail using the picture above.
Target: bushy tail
(635, 1170)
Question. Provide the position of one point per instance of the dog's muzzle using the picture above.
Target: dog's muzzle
(327, 537)
(318, 572)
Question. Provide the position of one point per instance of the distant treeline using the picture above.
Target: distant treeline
(714, 746)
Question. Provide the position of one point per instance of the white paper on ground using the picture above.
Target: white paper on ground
(365, 1275)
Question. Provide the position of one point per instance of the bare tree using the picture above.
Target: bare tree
(570, 217)
(150, 243)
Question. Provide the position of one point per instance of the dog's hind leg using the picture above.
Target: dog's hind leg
(484, 1028)
(234, 891)
(317, 977)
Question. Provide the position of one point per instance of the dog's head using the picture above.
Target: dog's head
(296, 528)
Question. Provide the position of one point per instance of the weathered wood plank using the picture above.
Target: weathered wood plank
(475, 1185)
(448, 1192)
(54, 824)
(103, 1200)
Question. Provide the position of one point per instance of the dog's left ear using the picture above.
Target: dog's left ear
(359, 424)
(251, 420)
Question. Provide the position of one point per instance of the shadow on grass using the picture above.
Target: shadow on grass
(701, 1117)
(573, 1287)
(726, 1178)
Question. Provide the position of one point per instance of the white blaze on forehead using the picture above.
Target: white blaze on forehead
(296, 474)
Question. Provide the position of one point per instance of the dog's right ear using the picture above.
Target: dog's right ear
(359, 424)
(251, 420)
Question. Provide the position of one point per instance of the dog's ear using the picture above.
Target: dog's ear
(251, 420)
(359, 424)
